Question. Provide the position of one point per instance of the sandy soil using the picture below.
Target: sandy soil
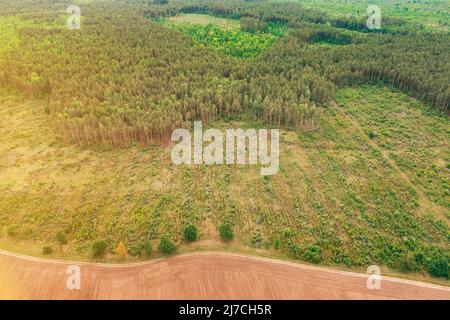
(198, 276)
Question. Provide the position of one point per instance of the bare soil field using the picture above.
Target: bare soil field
(198, 276)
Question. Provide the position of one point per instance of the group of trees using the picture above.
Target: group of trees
(123, 78)
(116, 80)
(401, 53)
(281, 13)
(166, 245)
(415, 63)
(235, 43)
(253, 25)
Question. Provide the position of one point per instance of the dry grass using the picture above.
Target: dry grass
(203, 19)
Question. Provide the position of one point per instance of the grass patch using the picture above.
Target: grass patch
(204, 19)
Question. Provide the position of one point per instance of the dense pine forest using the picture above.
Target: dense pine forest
(150, 80)
(364, 114)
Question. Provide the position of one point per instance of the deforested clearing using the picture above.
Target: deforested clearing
(87, 116)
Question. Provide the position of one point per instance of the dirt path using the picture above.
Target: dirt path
(198, 276)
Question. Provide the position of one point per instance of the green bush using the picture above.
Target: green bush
(166, 245)
(231, 42)
(190, 233)
(148, 248)
(313, 254)
(47, 250)
(12, 230)
(439, 267)
(287, 233)
(226, 232)
(99, 248)
(61, 237)
(420, 258)
(277, 244)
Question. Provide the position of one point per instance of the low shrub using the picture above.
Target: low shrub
(226, 232)
(47, 250)
(166, 245)
(277, 244)
(438, 267)
(147, 246)
(313, 254)
(190, 233)
(99, 248)
(12, 230)
(61, 237)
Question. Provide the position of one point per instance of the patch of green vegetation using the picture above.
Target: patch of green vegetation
(227, 40)
(61, 237)
(331, 38)
(226, 232)
(412, 134)
(313, 254)
(9, 32)
(47, 250)
(147, 246)
(439, 267)
(190, 233)
(99, 248)
(166, 245)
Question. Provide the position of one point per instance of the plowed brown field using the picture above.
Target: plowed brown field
(198, 276)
